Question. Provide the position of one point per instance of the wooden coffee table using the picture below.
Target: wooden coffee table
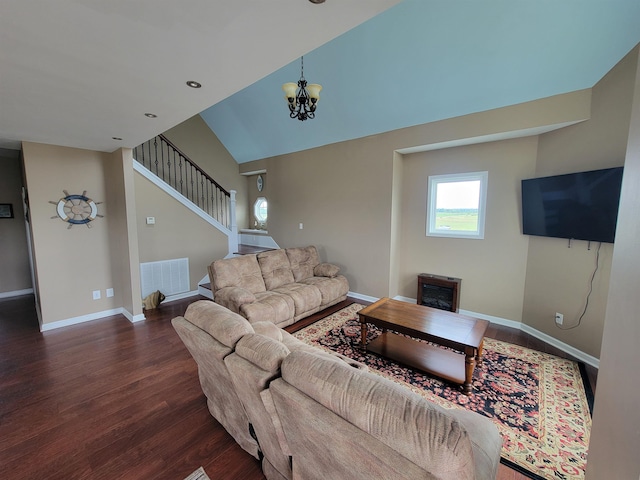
(459, 332)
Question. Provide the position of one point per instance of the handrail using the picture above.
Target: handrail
(170, 143)
(161, 157)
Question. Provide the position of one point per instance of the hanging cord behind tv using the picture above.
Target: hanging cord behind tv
(586, 304)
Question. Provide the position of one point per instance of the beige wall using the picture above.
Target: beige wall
(14, 256)
(123, 234)
(613, 451)
(558, 278)
(196, 140)
(70, 263)
(177, 233)
(347, 196)
(493, 269)
(341, 194)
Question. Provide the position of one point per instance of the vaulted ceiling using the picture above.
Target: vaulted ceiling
(79, 72)
(427, 60)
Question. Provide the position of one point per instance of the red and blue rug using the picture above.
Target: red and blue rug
(538, 401)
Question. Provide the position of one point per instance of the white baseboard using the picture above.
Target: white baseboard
(108, 313)
(131, 317)
(365, 298)
(90, 317)
(16, 293)
(492, 319)
(580, 355)
(81, 319)
(180, 296)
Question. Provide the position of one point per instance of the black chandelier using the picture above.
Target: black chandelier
(302, 98)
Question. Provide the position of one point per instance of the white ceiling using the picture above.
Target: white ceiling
(79, 72)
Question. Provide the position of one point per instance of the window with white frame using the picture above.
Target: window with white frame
(260, 209)
(456, 205)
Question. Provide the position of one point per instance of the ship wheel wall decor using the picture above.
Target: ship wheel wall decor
(76, 209)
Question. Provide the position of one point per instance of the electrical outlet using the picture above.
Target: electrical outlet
(301, 226)
(559, 318)
(96, 294)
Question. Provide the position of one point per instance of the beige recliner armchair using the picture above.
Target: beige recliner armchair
(210, 333)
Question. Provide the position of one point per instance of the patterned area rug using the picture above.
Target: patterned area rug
(538, 401)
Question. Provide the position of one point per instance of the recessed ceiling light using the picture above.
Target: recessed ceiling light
(116, 138)
(150, 115)
(194, 84)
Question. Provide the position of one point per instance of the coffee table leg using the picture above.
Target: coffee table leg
(479, 354)
(469, 365)
(363, 336)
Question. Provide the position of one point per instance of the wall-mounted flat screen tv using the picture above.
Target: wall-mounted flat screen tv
(582, 206)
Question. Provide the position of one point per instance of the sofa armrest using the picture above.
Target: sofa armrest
(234, 297)
(326, 270)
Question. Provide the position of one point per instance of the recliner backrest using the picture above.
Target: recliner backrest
(351, 424)
(243, 271)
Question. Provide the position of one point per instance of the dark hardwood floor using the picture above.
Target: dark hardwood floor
(108, 399)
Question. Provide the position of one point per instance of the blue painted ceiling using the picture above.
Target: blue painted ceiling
(427, 60)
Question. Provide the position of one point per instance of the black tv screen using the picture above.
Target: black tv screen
(582, 206)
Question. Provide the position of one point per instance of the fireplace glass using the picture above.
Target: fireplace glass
(439, 292)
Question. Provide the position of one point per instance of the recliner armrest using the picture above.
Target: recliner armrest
(234, 297)
(326, 270)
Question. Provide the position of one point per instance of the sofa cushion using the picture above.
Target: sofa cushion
(243, 271)
(306, 298)
(219, 322)
(270, 307)
(303, 260)
(275, 268)
(331, 289)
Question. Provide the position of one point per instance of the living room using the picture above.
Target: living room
(364, 192)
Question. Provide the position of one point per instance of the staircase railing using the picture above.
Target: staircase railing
(165, 160)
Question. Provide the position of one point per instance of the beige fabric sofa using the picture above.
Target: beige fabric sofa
(280, 286)
(341, 422)
(311, 414)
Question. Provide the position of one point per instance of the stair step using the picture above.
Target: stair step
(248, 249)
